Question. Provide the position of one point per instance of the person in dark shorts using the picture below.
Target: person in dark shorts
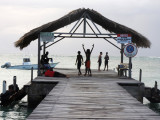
(106, 61)
(87, 62)
(99, 61)
(51, 73)
(79, 62)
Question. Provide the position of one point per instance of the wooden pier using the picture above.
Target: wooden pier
(102, 96)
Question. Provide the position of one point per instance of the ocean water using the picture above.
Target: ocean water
(150, 73)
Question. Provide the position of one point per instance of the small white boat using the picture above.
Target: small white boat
(26, 65)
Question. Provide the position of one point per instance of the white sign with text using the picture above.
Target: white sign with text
(124, 38)
(47, 36)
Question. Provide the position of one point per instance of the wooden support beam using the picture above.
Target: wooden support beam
(140, 75)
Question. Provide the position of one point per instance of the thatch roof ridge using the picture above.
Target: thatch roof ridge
(107, 24)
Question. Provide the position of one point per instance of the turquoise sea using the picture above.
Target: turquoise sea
(150, 73)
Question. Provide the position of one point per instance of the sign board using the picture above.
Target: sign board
(130, 50)
(124, 38)
(47, 36)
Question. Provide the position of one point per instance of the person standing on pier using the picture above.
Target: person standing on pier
(87, 62)
(99, 61)
(106, 61)
(79, 61)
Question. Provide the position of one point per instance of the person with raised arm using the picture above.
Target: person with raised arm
(88, 62)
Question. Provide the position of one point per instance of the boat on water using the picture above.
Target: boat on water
(26, 65)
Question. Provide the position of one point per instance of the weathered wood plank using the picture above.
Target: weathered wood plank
(92, 98)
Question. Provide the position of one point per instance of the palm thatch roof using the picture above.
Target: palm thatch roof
(107, 24)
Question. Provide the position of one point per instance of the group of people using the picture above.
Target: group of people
(106, 58)
(48, 71)
(5, 97)
(79, 61)
(45, 60)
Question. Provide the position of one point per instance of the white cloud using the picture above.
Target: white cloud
(19, 16)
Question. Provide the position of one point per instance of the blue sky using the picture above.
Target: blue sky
(20, 16)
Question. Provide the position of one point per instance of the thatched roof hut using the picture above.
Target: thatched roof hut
(96, 17)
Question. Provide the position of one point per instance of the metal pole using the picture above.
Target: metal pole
(112, 44)
(14, 82)
(122, 45)
(55, 42)
(130, 67)
(77, 22)
(100, 32)
(39, 53)
(4, 87)
(140, 75)
(84, 28)
(66, 33)
(104, 38)
(31, 74)
(76, 28)
(44, 48)
(93, 23)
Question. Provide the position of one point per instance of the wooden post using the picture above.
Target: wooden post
(141, 92)
(4, 87)
(31, 74)
(122, 45)
(155, 86)
(140, 75)
(130, 67)
(14, 82)
(39, 53)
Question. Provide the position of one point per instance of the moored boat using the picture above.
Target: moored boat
(26, 65)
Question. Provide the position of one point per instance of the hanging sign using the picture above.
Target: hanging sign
(124, 38)
(130, 50)
(47, 36)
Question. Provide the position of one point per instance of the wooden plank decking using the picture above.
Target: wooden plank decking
(90, 98)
